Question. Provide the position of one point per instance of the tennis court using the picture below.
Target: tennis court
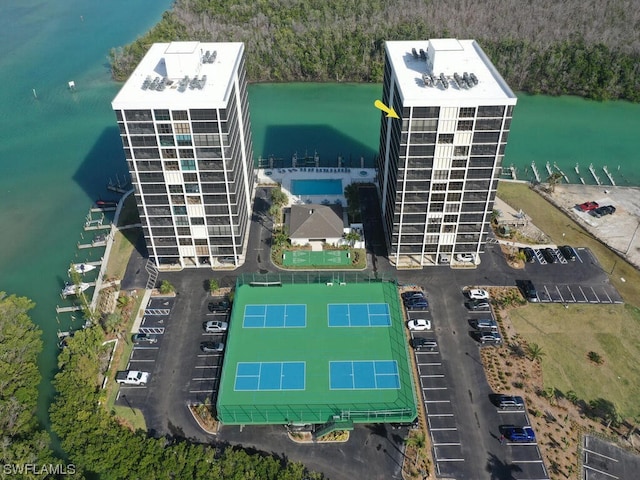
(369, 375)
(338, 362)
(358, 315)
(264, 376)
(274, 316)
(308, 258)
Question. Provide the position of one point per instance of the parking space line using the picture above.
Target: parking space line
(452, 429)
(605, 292)
(600, 471)
(439, 414)
(210, 356)
(140, 360)
(559, 294)
(201, 391)
(435, 388)
(439, 375)
(527, 461)
(600, 454)
(437, 401)
(145, 348)
(450, 460)
(446, 444)
(433, 364)
(522, 443)
(207, 366)
(586, 300)
(204, 378)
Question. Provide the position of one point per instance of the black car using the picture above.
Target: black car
(478, 305)
(222, 306)
(603, 210)
(529, 254)
(417, 304)
(549, 255)
(419, 343)
(528, 290)
(568, 253)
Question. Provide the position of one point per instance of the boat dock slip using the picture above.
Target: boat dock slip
(535, 171)
(100, 243)
(103, 209)
(88, 228)
(593, 172)
(606, 171)
(74, 308)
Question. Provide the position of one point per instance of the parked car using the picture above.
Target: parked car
(144, 338)
(419, 324)
(423, 344)
(409, 296)
(529, 254)
(519, 434)
(465, 257)
(417, 304)
(568, 253)
(478, 305)
(492, 338)
(215, 326)
(485, 325)
(222, 306)
(549, 255)
(477, 294)
(510, 402)
(211, 347)
(528, 290)
(602, 211)
(588, 206)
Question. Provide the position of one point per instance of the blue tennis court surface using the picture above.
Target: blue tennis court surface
(358, 315)
(364, 375)
(275, 316)
(254, 376)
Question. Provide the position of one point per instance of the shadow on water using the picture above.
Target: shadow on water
(330, 145)
(103, 162)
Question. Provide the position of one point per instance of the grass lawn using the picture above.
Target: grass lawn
(123, 245)
(555, 223)
(567, 335)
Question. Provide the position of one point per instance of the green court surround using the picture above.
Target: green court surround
(317, 344)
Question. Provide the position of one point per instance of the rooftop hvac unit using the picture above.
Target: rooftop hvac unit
(426, 78)
(445, 82)
(473, 78)
(414, 53)
(423, 55)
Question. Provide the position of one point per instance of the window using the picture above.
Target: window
(204, 114)
(188, 164)
(175, 188)
(467, 112)
(190, 177)
(440, 174)
(491, 111)
(465, 124)
(192, 188)
(184, 140)
(180, 115)
(138, 115)
(197, 221)
(161, 115)
(184, 230)
(179, 210)
(182, 128)
(460, 151)
(186, 153)
(164, 128)
(445, 138)
(166, 141)
(169, 153)
(185, 241)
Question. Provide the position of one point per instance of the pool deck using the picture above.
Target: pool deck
(284, 176)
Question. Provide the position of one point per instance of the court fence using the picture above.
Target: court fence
(317, 278)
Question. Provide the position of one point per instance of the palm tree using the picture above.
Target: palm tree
(535, 352)
(553, 180)
(280, 237)
(352, 237)
(418, 442)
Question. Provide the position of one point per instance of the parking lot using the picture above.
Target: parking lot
(603, 460)
(554, 288)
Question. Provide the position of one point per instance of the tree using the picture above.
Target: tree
(280, 237)
(535, 352)
(278, 197)
(213, 285)
(606, 410)
(553, 180)
(352, 237)
(20, 345)
(166, 287)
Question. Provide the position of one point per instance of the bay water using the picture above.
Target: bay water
(60, 146)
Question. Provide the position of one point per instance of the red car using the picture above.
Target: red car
(588, 206)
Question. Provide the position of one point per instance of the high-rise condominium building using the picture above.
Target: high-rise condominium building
(440, 162)
(183, 117)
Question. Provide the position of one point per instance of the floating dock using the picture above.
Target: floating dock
(606, 172)
(74, 308)
(593, 172)
(535, 171)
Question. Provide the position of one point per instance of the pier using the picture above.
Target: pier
(606, 172)
(512, 169)
(548, 167)
(74, 308)
(535, 171)
(593, 172)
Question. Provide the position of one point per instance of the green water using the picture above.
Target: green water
(339, 119)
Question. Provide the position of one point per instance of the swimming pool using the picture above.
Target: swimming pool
(316, 187)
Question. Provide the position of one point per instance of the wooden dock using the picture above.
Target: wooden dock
(606, 171)
(101, 243)
(88, 228)
(74, 308)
